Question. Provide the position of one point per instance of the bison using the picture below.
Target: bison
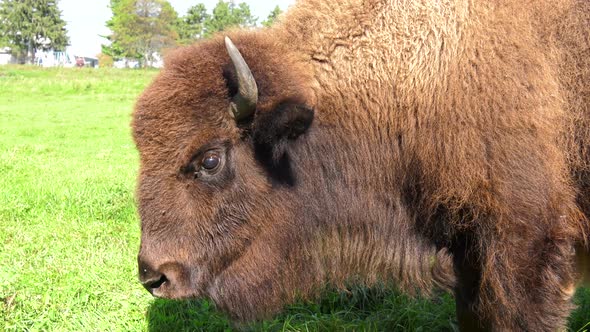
(425, 143)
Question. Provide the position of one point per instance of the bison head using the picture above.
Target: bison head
(213, 191)
(244, 198)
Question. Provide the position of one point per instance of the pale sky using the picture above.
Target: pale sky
(86, 19)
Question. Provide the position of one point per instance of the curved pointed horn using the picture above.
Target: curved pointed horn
(244, 102)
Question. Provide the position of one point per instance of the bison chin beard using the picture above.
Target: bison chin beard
(245, 300)
(254, 289)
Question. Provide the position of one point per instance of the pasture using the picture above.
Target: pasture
(70, 233)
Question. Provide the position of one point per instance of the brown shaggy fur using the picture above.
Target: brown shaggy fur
(449, 139)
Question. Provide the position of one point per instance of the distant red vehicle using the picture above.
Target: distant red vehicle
(80, 62)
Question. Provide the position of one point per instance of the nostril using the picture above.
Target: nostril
(166, 279)
(150, 278)
(154, 283)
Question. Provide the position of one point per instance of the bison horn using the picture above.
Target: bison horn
(244, 102)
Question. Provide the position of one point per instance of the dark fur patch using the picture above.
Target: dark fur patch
(274, 129)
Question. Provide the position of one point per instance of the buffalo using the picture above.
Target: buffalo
(425, 143)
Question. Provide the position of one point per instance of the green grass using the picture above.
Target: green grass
(69, 230)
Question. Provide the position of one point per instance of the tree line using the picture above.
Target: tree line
(140, 29)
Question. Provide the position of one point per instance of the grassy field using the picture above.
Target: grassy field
(70, 233)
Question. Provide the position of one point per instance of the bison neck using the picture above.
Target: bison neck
(355, 214)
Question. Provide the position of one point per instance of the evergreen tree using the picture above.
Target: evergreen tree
(272, 17)
(191, 27)
(29, 25)
(113, 49)
(244, 16)
(227, 15)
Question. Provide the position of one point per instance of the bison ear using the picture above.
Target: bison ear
(272, 130)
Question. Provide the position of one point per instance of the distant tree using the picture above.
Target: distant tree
(105, 60)
(272, 17)
(191, 27)
(141, 29)
(244, 15)
(29, 25)
(113, 49)
(227, 15)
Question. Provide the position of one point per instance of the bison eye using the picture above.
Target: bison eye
(210, 162)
